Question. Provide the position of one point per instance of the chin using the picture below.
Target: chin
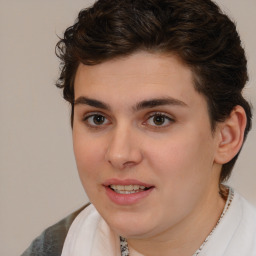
(132, 233)
(130, 225)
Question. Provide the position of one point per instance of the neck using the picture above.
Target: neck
(187, 236)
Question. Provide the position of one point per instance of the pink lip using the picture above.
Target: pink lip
(126, 199)
(126, 182)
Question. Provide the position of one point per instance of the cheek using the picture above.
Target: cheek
(88, 163)
(88, 154)
(182, 159)
(182, 168)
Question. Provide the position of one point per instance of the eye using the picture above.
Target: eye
(96, 120)
(159, 120)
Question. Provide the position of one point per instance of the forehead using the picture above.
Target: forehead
(138, 76)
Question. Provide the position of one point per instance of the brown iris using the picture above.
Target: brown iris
(98, 119)
(159, 120)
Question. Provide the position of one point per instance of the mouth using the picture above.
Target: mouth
(128, 189)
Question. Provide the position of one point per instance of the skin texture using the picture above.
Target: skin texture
(170, 146)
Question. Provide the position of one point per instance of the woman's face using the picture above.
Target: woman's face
(143, 143)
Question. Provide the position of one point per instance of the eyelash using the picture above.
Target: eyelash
(165, 118)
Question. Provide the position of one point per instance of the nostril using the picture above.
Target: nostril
(129, 164)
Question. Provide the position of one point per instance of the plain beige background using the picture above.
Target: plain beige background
(39, 184)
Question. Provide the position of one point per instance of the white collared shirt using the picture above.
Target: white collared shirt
(235, 235)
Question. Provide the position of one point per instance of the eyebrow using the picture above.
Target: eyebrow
(91, 102)
(151, 103)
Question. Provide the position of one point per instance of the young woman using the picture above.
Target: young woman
(158, 121)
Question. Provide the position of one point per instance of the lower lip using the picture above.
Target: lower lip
(127, 199)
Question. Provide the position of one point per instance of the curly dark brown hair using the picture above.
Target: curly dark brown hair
(195, 30)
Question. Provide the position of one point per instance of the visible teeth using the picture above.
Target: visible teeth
(127, 189)
(119, 187)
(126, 192)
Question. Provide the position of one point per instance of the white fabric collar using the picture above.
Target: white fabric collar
(223, 233)
(90, 235)
(236, 233)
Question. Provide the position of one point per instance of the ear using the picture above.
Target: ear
(230, 135)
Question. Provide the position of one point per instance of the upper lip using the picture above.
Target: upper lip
(125, 182)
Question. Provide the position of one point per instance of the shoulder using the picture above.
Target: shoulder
(51, 241)
(248, 220)
(236, 232)
(244, 237)
(248, 215)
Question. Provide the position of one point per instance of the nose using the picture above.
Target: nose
(123, 149)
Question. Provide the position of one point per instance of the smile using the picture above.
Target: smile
(128, 189)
